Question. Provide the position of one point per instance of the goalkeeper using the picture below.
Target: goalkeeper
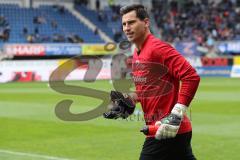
(157, 70)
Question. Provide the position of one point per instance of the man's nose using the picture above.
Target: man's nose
(127, 28)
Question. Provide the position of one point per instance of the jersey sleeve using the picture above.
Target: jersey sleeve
(180, 68)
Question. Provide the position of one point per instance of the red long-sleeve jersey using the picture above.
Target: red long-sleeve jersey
(157, 72)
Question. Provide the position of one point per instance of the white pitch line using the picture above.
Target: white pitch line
(32, 155)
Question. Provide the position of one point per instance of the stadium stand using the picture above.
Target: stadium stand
(202, 22)
(108, 20)
(45, 24)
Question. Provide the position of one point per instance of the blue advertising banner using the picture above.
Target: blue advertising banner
(62, 49)
(229, 47)
(187, 49)
(213, 71)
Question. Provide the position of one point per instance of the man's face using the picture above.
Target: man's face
(133, 27)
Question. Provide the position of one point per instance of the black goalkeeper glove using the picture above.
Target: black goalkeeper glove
(121, 106)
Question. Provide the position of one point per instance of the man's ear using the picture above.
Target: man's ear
(147, 22)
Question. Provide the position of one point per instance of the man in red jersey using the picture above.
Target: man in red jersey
(158, 69)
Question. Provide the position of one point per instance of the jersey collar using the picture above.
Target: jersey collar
(143, 45)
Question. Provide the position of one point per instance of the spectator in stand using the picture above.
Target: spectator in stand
(212, 51)
(117, 35)
(25, 30)
(96, 31)
(61, 9)
(74, 38)
(36, 31)
(97, 5)
(81, 2)
(58, 38)
(101, 16)
(3, 21)
(6, 34)
(39, 20)
(31, 38)
(58, 8)
(4, 28)
(54, 24)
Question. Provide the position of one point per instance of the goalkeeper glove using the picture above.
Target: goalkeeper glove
(168, 126)
(121, 106)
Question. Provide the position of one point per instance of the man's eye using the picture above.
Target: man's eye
(131, 22)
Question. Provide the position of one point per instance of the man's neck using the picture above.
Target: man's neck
(139, 44)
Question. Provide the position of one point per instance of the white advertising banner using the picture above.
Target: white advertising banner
(235, 71)
(41, 70)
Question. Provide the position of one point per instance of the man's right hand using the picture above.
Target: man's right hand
(121, 105)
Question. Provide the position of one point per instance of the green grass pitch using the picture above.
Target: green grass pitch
(29, 129)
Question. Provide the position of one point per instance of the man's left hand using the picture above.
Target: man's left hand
(169, 126)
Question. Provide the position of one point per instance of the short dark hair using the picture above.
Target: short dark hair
(141, 11)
